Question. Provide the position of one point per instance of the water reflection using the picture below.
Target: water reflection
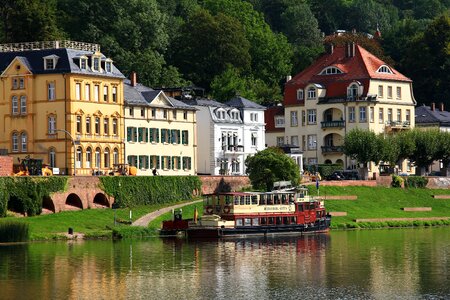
(381, 264)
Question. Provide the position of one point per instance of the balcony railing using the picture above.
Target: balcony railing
(26, 46)
(333, 124)
(233, 148)
(332, 149)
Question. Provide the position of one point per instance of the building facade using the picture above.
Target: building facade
(160, 132)
(61, 102)
(227, 134)
(346, 88)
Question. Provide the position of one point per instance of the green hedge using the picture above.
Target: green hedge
(25, 194)
(416, 182)
(326, 170)
(144, 190)
(396, 181)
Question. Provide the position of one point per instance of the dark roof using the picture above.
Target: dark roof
(240, 102)
(204, 102)
(67, 62)
(269, 117)
(424, 115)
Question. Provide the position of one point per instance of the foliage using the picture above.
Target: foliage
(14, 232)
(328, 169)
(146, 190)
(426, 147)
(362, 145)
(397, 181)
(416, 182)
(271, 165)
(25, 194)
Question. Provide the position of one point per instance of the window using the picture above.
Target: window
(280, 140)
(96, 64)
(108, 66)
(78, 124)
(51, 95)
(312, 142)
(97, 158)
(176, 163)
(399, 115)
(351, 114)
(52, 157)
(311, 93)
(294, 118)
(96, 92)
(174, 114)
(154, 162)
(143, 162)
(362, 114)
(142, 112)
(132, 160)
(165, 114)
(408, 115)
(312, 116)
(294, 140)
(24, 142)
(23, 105)
(300, 94)
(15, 142)
(51, 124)
(106, 158)
(114, 126)
(254, 139)
(165, 162)
(106, 126)
(185, 114)
(15, 105)
(88, 125)
(185, 137)
(175, 136)
(105, 93)
(187, 163)
(279, 121)
(114, 94)
(131, 134)
(15, 83)
(154, 135)
(83, 63)
(389, 92)
(330, 71)
(115, 156)
(153, 112)
(131, 110)
(389, 114)
(371, 114)
(142, 134)
(352, 92)
(97, 125)
(49, 64)
(380, 91)
(21, 83)
(78, 91)
(303, 118)
(399, 92)
(87, 92)
(79, 158)
(88, 157)
(380, 116)
(384, 69)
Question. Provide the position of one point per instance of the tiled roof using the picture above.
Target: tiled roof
(424, 115)
(269, 118)
(240, 102)
(34, 60)
(361, 67)
(204, 102)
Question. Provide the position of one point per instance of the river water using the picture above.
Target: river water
(368, 264)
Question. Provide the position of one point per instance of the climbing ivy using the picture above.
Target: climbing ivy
(25, 194)
(143, 190)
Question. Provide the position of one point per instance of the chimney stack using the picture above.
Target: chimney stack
(433, 106)
(441, 105)
(288, 78)
(350, 49)
(133, 78)
(330, 48)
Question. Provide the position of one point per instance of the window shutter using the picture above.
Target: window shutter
(189, 163)
(135, 134)
(178, 137)
(129, 134)
(146, 134)
(151, 135)
(129, 159)
(173, 162)
(173, 136)
(141, 161)
(184, 163)
(146, 162)
(169, 165)
(141, 133)
(158, 165)
(163, 135)
(179, 162)
(157, 135)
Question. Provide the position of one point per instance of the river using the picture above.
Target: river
(368, 264)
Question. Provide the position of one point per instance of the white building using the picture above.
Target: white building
(227, 134)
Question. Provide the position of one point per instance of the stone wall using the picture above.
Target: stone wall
(438, 182)
(6, 165)
(212, 184)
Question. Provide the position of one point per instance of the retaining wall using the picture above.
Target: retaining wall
(214, 184)
(6, 165)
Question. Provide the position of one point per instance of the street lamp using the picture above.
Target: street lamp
(74, 150)
(317, 157)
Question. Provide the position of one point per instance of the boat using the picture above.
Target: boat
(283, 211)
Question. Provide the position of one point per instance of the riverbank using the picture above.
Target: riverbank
(364, 203)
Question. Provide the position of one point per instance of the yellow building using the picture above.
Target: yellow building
(61, 102)
(160, 132)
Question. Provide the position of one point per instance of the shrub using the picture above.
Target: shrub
(397, 181)
(328, 169)
(416, 182)
(14, 232)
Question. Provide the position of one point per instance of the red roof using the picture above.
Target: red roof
(361, 67)
(269, 118)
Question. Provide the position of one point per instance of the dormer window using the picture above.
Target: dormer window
(354, 90)
(220, 114)
(311, 93)
(108, 66)
(384, 69)
(331, 71)
(96, 64)
(83, 63)
(300, 94)
(50, 62)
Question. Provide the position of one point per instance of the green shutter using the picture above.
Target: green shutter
(151, 135)
(169, 163)
(140, 134)
(146, 162)
(146, 134)
(173, 162)
(157, 135)
(185, 135)
(189, 163)
(134, 134)
(178, 137)
(184, 162)
(141, 162)
(129, 134)
(158, 165)
(179, 163)
(129, 159)
(163, 135)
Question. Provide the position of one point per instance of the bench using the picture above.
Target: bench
(332, 197)
(416, 208)
(402, 219)
(338, 213)
(441, 196)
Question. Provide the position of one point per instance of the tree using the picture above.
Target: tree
(443, 152)
(426, 148)
(271, 165)
(363, 146)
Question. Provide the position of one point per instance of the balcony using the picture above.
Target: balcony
(398, 125)
(233, 148)
(333, 124)
(332, 149)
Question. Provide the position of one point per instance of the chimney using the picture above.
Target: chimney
(350, 49)
(433, 106)
(133, 78)
(330, 48)
(441, 106)
(288, 78)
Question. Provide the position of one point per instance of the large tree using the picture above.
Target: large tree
(426, 148)
(271, 165)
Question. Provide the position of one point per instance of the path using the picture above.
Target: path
(144, 220)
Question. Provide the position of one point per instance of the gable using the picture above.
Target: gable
(18, 66)
(161, 100)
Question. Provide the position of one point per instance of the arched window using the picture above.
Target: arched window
(24, 142)
(15, 105)
(115, 156)
(106, 158)
(352, 92)
(114, 126)
(79, 161)
(15, 142)
(98, 158)
(88, 157)
(384, 69)
(330, 71)
(52, 157)
(23, 105)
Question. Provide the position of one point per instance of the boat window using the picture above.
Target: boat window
(247, 222)
(247, 200)
(284, 199)
(270, 221)
(208, 200)
(238, 222)
(236, 200)
(286, 220)
(255, 221)
(293, 220)
(291, 198)
(242, 200)
(300, 207)
(262, 199)
(218, 208)
(270, 199)
(279, 220)
(276, 199)
(263, 221)
(254, 199)
(228, 199)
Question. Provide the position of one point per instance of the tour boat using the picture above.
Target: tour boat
(284, 211)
